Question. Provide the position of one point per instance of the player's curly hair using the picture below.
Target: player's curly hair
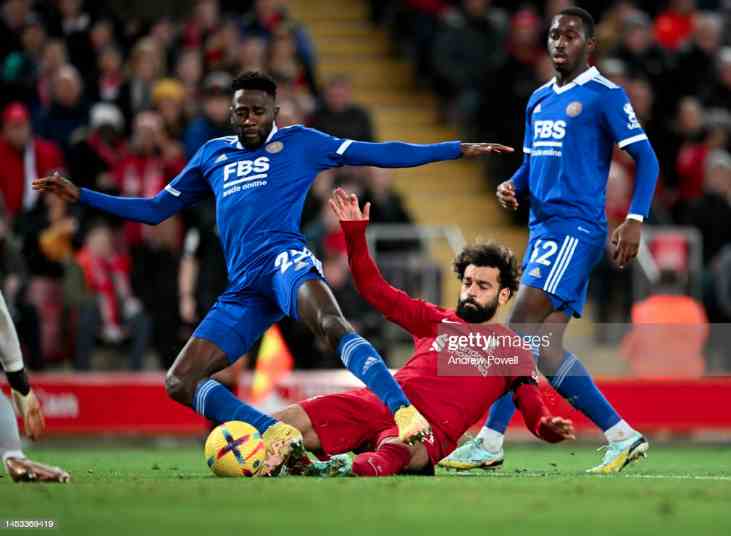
(255, 80)
(493, 255)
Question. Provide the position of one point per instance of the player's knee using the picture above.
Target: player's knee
(178, 389)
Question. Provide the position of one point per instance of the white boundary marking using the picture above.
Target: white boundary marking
(532, 474)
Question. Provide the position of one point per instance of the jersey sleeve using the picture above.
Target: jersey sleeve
(323, 151)
(415, 316)
(190, 185)
(620, 118)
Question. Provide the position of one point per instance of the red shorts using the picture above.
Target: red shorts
(357, 421)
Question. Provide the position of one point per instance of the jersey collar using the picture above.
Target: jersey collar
(269, 137)
(580, 80)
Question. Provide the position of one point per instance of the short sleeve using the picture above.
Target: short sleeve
(190, 185)
(323, 151)
(621, 119)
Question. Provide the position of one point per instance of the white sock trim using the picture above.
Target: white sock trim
(12, 454)
(492, 440)
(619, 432)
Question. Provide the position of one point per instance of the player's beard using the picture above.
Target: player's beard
(476, 314)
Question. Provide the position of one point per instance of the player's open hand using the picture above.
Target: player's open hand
(506, 195)
(556, 429)
(29, 409)
(626, 242)
(59, 185)
(346, 207)
(474, 150)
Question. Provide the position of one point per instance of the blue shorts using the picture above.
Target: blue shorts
(560, 263)
(240, 316)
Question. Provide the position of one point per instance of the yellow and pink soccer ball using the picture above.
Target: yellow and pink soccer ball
(235, 448)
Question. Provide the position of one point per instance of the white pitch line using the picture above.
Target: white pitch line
(549, 474)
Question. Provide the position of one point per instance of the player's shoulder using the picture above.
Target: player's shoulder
(297, 131)
(541, 92)
(595, 82)
(222, 142)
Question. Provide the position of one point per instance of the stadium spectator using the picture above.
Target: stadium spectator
(674, 26)
(340, 116)
(189, 71)
(168, 98)
(102, 146)
(146, 65)
(115, 315)
(13, 17)
(20, 68)
(668, 334)
(54, 57)
(699, 56)
(68, 110)
(714, 205)
(718, 93)
(467, 51)
(213, 122)
(252, 54)
(23, 157)
(152, 160)
(108, 85)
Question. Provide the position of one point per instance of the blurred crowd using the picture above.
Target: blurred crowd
(484, 58)
(120, 104)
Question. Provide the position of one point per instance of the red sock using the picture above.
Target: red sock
(389, 459)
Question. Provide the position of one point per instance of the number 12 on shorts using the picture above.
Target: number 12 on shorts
(543, 251)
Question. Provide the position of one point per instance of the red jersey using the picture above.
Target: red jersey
(450, 402)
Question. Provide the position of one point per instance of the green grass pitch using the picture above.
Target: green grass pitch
(541, 490)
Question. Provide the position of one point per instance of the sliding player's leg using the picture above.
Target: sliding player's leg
(318, 308)
(227, 332)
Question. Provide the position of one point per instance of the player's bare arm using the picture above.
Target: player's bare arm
(59, 185)
(474, 150)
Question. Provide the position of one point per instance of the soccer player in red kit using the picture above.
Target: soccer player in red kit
(356, 420)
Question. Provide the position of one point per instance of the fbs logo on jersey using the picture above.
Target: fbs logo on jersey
(548, 129)
(245, 168)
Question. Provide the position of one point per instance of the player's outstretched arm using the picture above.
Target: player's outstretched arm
(537, 418)
(396, 154)
(150, 210)
(411, 314)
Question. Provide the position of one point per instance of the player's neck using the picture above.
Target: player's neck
(563, 79)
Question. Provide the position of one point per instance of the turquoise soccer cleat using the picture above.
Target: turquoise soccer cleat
(473, 455)
(620, 454)
(338, 465)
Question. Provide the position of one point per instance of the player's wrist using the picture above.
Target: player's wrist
(18, 381)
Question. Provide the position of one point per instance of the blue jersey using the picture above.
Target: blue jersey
(259, 193)
(570, 132)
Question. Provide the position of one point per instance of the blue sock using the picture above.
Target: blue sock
(215, 402)
(359, 356)
(574, 383)
(501, 412)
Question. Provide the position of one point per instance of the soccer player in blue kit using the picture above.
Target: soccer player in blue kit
(571, 126)
(260, 178)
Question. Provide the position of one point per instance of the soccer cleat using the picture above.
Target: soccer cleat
(412, 426)
(620, 454)
(25, 470)
(282, 442)
(473, 455)
(338, 465)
